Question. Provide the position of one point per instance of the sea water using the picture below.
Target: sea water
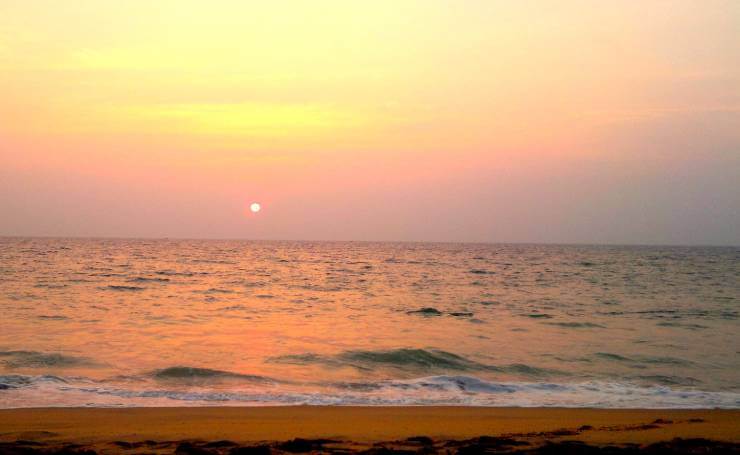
(105, 322)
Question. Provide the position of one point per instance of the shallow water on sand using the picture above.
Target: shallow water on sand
(160, 322)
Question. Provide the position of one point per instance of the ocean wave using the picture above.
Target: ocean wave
(404, 358)
(14, 381)
(417, 358)
(411, 360)
(190, 374)
(35, 359)
(431, 390)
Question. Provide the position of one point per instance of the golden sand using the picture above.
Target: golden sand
(362, 424)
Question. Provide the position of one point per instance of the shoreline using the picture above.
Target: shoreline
(351, 428)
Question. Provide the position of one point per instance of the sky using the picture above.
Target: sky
(420, 120)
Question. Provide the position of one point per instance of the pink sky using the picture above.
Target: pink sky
(567, 121)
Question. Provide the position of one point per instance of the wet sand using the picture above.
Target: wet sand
(432, 429)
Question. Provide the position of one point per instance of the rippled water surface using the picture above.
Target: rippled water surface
(138, 323)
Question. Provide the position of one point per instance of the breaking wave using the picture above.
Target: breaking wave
(182, 373)
(431, 390)
(411, 360)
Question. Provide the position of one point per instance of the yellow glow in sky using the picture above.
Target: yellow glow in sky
(458, 75)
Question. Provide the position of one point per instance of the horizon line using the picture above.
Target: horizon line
(448, 242)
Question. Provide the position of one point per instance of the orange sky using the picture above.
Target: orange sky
(561, 121)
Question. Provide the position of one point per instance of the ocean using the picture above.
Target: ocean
(109, 322)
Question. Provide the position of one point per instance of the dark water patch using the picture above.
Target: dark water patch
(405, 358)
(234, 308)
(303, 359)
(34, 359)
(413, 358)
(50, 285)
(117, 287)
(359, 386)
(213, 291)
(522, 369)
(669, 380)
(53, 317)
(173, 273)
(212, 261)
(611, 313)
(613, 357)
(573, 359)
(682, 325)
(664, 361)
(670, 314)
(426, 311)
(461, 314)
(643, 359)
(539, 316)
(656, 312)
(141, 279)
(193, 374)
(576, 325)
(481, 272)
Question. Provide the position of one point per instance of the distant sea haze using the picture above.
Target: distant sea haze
(166, 323)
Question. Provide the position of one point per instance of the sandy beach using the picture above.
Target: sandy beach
(330, 429)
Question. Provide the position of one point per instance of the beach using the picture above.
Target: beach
(334, 428)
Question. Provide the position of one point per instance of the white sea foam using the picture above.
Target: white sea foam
(26, 391)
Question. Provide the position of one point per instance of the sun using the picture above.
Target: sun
(255, 207)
